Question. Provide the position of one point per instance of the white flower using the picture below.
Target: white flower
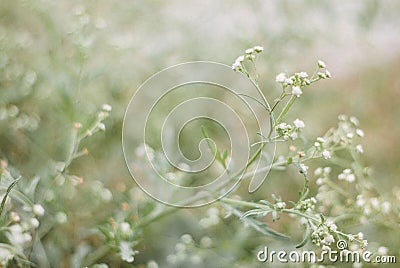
(258, 49)
(364, 244)
(328, 239)
(320, 140)
(299, 123)
(186, 238)
(326, 154)
(303, 74)
(303, 168)
(328, 74)
(360, 235)
(14, 216)
(101, 126)
(296, 90)
(360, 133)
(61, 217)
(359, 149)
(126, 252)
(239, 59)
(38, 210)
(280, 78)
(5, 256)
(125, 228)
(249, 51)
(34, 222)
(152, 264)
(293, 136)
(383, 250)
(236, 65)
(289, 81)
(280, 205)
(107, 107)
(318, 171)
(321, 64)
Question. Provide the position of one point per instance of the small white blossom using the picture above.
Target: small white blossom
(320, 140)
(296, 90)
(239, 59)
(236, 65)
(303, 74)
(249, 51)
(258, 49)
(383, 250)
(326, 154)
(38, 210)
(328, 74)
(360, 235)
(107, 107)
(318, 171)
(101, 126)
(280, 78)
(126, 251)
(34, 222)
(321, 64)
(303, 168)
(14, 216)
(359, 149)
(280, 205)
(289, 81)
(360, 133)
(187, 238)
(299, 123)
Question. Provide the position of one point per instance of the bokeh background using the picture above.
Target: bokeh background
(61, 60)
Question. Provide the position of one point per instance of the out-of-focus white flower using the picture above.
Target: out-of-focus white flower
(249, 51)
(280, 78)
(383, 250)
(296, 90)
(187, 238)
(299, 123)
(101, 126)
(360, 132)
(258, 49)
(14, 216)
(107, 107)
(328, 74)
(61, 217)
(326, 154)
(34, 222)
(359, 149)
(152, 264)
(321, 64)
(38, 210)
(303, 74)
(126, 251)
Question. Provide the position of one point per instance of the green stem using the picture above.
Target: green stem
(286, 109)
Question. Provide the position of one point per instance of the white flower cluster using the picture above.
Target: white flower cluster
(307, 205)
(324, 73)
(347, 175)
(287, 131)
(250, 54)
(322, 174)
(211, 219)
(373, 205)
(323, 234)
(184, 251)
